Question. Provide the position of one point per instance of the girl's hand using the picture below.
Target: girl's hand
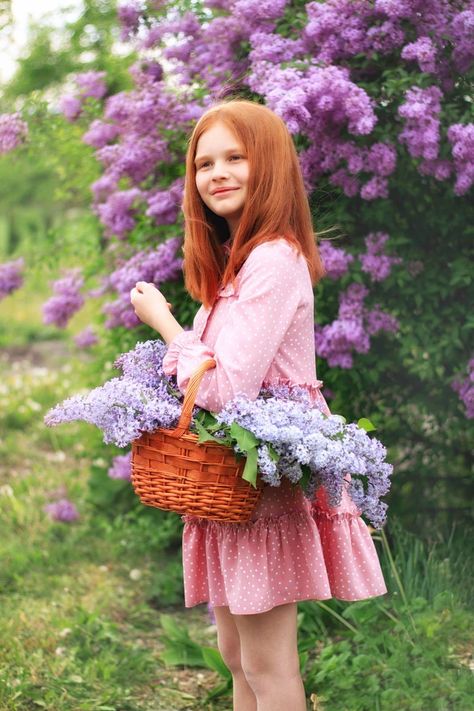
(150, 305)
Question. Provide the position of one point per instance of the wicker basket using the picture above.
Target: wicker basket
(172, 471)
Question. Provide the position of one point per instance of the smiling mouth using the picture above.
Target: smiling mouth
(223, 190)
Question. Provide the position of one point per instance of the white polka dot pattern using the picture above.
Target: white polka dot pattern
(261, 330)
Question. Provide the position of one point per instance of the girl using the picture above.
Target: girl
(252, 260)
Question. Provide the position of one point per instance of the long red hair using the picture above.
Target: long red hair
(277, 205)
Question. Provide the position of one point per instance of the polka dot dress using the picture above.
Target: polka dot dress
(260, 330)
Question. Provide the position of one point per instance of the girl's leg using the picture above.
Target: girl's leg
(269, 658)
(229, 646)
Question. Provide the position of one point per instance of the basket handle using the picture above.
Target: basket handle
(190, 397)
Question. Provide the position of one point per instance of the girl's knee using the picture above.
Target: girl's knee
(230, 653)
(264, 672)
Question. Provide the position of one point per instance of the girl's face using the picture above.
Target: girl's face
(222, 173)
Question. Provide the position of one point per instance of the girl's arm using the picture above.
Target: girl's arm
(269, 294)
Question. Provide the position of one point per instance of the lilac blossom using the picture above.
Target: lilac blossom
(374, 262)
(11, 277)
(336, 260)
(422, 51)
(164, 205)
(91, 84)
(350, 332)
(300, 434)
(121, 467)
(13, 131)
(141, 400)
(63, 510)
(71, 107)
(100, 133)
(129, 15)
(153, 266)
(86, 338)
(465, 389)
(67, 299)
(461, 138)
(117, 213)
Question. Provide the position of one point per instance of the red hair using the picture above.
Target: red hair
(277, 205)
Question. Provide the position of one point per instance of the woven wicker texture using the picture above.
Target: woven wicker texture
(171, 470)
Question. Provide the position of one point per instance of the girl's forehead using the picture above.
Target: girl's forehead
(217, 135)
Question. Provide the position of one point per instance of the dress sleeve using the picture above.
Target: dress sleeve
(268, 297)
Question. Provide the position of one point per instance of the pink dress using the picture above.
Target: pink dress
(261, 331)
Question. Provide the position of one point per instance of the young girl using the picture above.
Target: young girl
(251, 259)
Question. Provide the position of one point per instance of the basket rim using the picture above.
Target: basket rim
(187, 437)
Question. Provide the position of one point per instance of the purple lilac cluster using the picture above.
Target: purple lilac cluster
(86, 338)
(11, 277)
(465, 389)
(374, 261)
(141, 400)
(90, 84)
(63, 511)
(13, 131)
(461, 138)
(303, 436)
(129, 15)
(67, 299)
(351, 330)
(154, 266)
(336, 260)
(121, 467)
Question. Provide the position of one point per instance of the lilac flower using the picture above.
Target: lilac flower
(86, 338)
(421, 111)
(374, 262)
(67, 299)
(352, 328)
(142, 400)
(129, 16)
(121, 467)
(13, 131)
(302, 435)
(117, 213)
(71, 107)
(336, 260)
(422, 51)
(164, 205)
(461, 137)
(91, 84)
(465, 389)
(100, 133)
(11, 277)
(62, 510)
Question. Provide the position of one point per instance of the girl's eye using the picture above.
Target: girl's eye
(236, 157)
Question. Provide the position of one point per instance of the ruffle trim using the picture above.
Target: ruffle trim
(264, 522)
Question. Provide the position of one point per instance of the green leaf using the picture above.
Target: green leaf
(204, 435)
(214, 661)
(366, 424)
(306, 476)
(273, 455)
(244, 438)
(250, 469)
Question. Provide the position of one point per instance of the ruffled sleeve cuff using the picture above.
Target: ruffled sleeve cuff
(185, 353)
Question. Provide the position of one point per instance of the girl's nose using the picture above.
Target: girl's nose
(220, 170)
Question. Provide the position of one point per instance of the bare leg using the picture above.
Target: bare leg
(269, 658)
(228, 642)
